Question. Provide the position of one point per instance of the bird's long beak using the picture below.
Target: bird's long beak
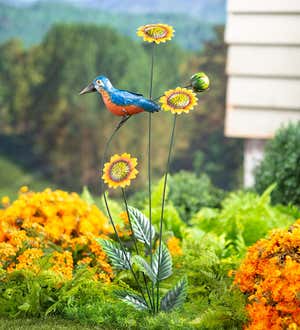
(88, 89)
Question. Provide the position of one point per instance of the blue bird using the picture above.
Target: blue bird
(120, 102)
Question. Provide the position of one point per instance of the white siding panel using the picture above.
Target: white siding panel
(263, 29)
(264, 92)
(264, 60)
(256, 123)
(259, 6)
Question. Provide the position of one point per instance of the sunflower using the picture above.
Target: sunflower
(120, 170)
(156, 32)
(178, 100)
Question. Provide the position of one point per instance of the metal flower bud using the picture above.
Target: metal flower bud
(200, 82)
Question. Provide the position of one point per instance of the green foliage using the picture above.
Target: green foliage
(212, 303)
(13, 176)
(32, 22)
(281, 165)
(24, 293)
(87, 196)
(172, 221)
(71, 130)
(190, 193)
(244, 218)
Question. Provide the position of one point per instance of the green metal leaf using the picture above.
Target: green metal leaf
(144, 267)
(162, 265)
(132, 299)
(141, 226)
(175, 297)
(117, 257)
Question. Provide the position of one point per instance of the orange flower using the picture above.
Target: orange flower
(37, 220)
(173, 244)
(270, 275)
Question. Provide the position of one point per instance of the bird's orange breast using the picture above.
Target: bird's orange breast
(119, 110)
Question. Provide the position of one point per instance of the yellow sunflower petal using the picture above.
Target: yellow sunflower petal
(157, 33)
(120, 170)
(179, 100)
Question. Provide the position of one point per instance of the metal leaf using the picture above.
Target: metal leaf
(132, 299)
(141, 226)
(118, 258)
(144, 267)
(175, 297)
(162, 267)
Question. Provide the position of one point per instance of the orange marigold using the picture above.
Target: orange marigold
(174, 247)
(270, 276)
(39, 220)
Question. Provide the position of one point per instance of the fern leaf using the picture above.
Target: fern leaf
(87, 196)
(162, 264)
(132, 299)
(144, 267)
(141, 226)
(175, 297)
(118, 258)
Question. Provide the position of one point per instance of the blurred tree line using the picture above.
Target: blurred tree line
(64, 134)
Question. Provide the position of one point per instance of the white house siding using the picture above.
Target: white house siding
(263, 68)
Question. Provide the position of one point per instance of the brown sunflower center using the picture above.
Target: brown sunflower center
(156, 32)
(119, 170)
(179, 100)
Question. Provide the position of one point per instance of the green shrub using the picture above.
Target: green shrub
(281, 165)
(212, 303)
(244, 218)
(190, 193)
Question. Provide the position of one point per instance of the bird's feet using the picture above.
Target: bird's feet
(123, 120)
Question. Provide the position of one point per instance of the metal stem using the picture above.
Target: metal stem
(123, 249)
(162, 208)
(149, 164)
(136, 247)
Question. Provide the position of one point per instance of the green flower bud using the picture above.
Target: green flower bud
(199, 82)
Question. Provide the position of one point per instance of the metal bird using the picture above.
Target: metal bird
(120, 102)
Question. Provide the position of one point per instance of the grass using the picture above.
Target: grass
(50, 323)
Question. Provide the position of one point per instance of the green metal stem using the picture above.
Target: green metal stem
(149, 163)
(123, 249)
(136, 247)
(163, 207)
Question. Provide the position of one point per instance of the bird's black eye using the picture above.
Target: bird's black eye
(98, 82)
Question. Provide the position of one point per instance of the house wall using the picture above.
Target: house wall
(263, 68)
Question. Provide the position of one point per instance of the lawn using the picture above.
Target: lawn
(44, 324)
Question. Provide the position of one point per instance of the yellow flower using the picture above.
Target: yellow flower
(178, 100)
(156, 32)
(23, 189)
(120, 170)
(5, 200)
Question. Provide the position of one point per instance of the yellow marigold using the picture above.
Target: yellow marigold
(29, 259)
(37, 220)
(124, 217)
(120, 170)
(270, 276)
(5, 201)
(62, 264)
(24, 189)
(173, 244)
(156, 32)
(179, 100)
